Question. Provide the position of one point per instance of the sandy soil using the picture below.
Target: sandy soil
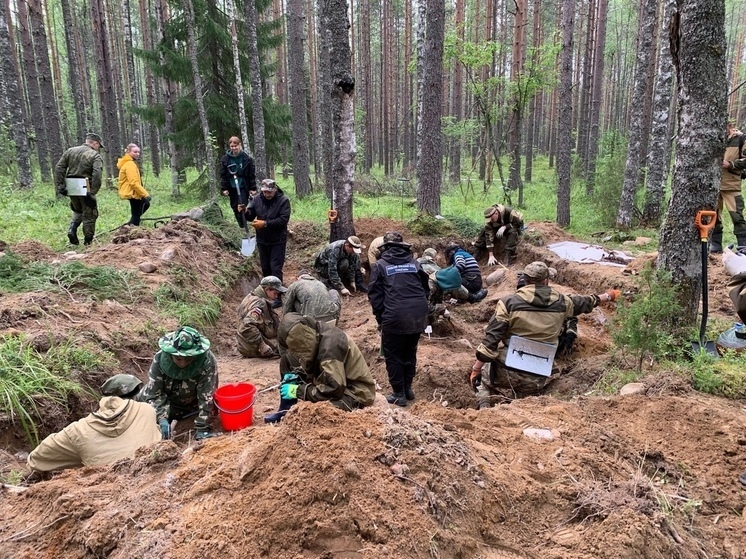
(645, 476)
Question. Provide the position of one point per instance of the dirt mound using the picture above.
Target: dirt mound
(563, 476)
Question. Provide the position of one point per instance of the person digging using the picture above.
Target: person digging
(535, 312)
(258, 322)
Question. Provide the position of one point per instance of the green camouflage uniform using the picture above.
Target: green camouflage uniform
(257, 325)
(536, 312)
(175, 398)
(81, 161)
(309, 297)
(437, 295)
(336, 266)
(512, 219)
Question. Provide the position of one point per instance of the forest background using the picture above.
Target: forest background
(624, 103)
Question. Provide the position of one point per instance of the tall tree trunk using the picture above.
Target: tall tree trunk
(107, 99)
(168, 98)
(14, 100)
(698, 51)
(420, 38)
(430, 160)
(325, 97)
(457, 100)
(366, 78)
(659, 156)
(343, 88)
(313, 106)
(564, 119)
(192, 50)
(534, 123)
(73, 70)
(296, 17)
(240, 94)
(586, 84)
(33, 93)
(255, 77)
(132, 82)
(517, 102)
(596, 95)
(46, 83)
(150, 98)
(635, 156)
(407, 87)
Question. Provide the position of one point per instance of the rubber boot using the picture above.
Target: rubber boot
(87, 241)
(478, 296)
(716, 242)
(741, 240)
(398, 398)
(408, 392)
(72, 233)
(276, 417)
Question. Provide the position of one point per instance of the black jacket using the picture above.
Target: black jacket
(246, 172)
(276, 214)
(398, 291)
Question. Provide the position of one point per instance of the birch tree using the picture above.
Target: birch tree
(564, 119)
(698, 51)
(257, 97)
(231, 8)
(297, 75)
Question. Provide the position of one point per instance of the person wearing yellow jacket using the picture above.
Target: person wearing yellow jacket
(119, 427)
(130, 184)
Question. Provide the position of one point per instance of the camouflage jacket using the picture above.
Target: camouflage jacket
(257, 324)
(309, 297)
(173, 398)
(79, 161)
(535, 312)
(428, 264)
(327, 264)
(513, 219)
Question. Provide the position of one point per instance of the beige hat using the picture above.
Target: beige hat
(273, 282)
(357, 245)
(268, 185)
(430, 253)
(539, 271)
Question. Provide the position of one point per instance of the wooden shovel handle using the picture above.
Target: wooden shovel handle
(705, 221)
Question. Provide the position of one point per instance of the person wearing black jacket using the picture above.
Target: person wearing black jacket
(269, 214)
(237, 178)
(398, 293)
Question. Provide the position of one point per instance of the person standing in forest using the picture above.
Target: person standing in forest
(269, 214)
(130, 184)
(730, 195)
(81, 167)
(237, 178)
(398, 293)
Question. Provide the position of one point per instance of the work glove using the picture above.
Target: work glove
(62, 192)
(289, 391)
(475, 378)
(565, 347)
(500, 232)
(90, 201)
(266, 351)
(204, 434)
(614, 294)
(165, 429)
(258, 224)
(492, 261)
(148, 198)
(224, 192)
(354, 288)
(345, 291)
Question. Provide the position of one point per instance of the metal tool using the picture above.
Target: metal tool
(704, 221)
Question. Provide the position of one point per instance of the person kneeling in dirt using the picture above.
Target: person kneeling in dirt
(309, 297)
(502, 222)
(119, 427)
(339, 262)
(257, 320)
(182, 380)
(535, 312)
(442, 288)
(320, 363)
(467, 266)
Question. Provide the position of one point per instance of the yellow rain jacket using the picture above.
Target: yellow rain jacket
(130, 182)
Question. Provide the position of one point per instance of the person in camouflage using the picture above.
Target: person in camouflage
(257, 320)
(730, 196)
(339, 262)
(309, 297)
(81, 162)
(327, 365)
(114, 432)
(182, 380)
(437, 294)
(535, 312)
(374, 250)
(502, 222)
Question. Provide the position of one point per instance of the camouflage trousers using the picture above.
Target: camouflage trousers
(85, 214)
(499, 380)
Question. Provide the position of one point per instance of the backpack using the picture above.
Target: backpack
(448, 278)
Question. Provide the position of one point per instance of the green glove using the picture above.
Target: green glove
(290, 378)
(165, 429)
(289, 391)
(204, 434)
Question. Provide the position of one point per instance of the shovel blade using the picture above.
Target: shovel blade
(708, 347)
(246, 248)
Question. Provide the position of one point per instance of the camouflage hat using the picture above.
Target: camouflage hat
(356, 243)
(121, 385)
(539, 271)
(489, 212)
(268, 185)
(96, 138)
(430, 253)
(394, 238)
(184, 342)
(273, 282)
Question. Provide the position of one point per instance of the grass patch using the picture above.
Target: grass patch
(721, 377)
(74, 278)
(613, 380)
(28, 378)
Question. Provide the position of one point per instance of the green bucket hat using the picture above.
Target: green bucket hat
(121, 385)
(184, 342)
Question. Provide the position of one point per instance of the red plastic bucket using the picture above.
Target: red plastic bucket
(235, 403)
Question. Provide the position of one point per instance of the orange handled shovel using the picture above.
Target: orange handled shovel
(704, 221)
